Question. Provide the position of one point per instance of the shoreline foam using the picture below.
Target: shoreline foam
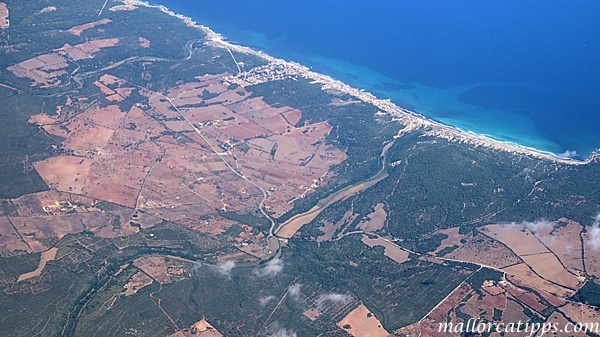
(415, 120)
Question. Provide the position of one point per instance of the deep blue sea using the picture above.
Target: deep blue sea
(525, 71)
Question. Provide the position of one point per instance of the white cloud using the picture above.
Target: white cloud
(534, 226)
(294, 291)
(594, 234)
(271, 268)
(225, 268)
(537, 225)
(524, 173)
(333, 297)
(266, 299)
(568, 154)
(594, 237)
(284, 333)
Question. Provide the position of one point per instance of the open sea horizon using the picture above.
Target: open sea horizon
(522, 71)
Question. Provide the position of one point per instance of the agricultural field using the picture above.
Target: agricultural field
(162, 182)
(361, 323)
(180, 152)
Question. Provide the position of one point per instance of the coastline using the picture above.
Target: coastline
(279, 69)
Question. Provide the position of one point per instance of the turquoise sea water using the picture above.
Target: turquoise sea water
(525, 71)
